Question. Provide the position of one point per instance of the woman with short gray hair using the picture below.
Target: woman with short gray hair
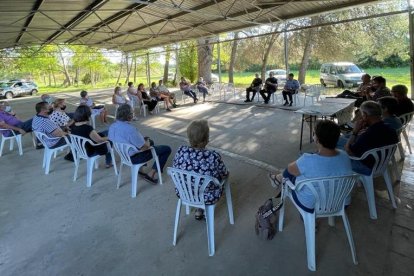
(196, 158)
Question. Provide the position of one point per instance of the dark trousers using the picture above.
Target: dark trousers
(287, 94)
(265, 97)
(163, 152)
(26, 125)
(253, 90)
(191, 94)
(203, 90)
(151, 104)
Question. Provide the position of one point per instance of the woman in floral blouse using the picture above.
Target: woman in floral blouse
(59, 116)
(196, 158)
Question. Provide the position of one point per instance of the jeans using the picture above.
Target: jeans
(359, 167)
(203, 90)
(26, 126)
(191, 94)
(269, 93)
(287, 94)
(162, 151)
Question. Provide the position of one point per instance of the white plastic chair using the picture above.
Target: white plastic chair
(48, 152)
(229, 87)
(93, 119)
(405, 120)
(123, 150)
(382, 157)
(14, 137)
(77, 145)
(330, 194)
(313, 91)
(192, 194)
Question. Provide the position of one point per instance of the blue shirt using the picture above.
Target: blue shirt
(124, 132)
(393, 122)
(314, 166)
(291, 85)
(45, 125)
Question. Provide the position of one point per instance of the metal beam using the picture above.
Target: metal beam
(171, 17)
(411, 35)
(29, 19)
(77, 19)
(130, 9)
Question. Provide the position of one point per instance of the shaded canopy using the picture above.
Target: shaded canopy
(133, 24)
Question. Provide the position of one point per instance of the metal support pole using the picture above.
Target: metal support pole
(218, 59)
(148, 71)
(285, 42)
(411, 34)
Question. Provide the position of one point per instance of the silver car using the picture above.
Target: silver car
(341, 74)
(13, 89)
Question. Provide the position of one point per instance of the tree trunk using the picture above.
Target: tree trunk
(205, 58)
(50, 77)
(120, 71)
(54, 78)
(135, 68)
(166, 64)
(233, 57)
(67, 81)
(177, 67)
(270, 41)
(129, 67)
(77, 73)
(310, 38)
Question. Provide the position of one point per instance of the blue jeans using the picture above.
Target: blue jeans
(359, 167)
(292, 179)
(162, 151)
(26, 125)
(191, 94)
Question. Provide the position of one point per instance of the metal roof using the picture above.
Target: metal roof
(134, 24)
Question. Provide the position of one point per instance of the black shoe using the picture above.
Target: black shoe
(40, 146)
(247, 101)
(290, 104)
(285, 104)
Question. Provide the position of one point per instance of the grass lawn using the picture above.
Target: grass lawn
(243, 79)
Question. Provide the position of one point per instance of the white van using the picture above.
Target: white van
(341, 74)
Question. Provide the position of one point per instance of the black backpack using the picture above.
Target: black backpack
(267, 216)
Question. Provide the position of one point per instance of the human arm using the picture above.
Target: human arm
(58, 132)
(7, 126)
(96, 137)
(293, 169)
(350, 146)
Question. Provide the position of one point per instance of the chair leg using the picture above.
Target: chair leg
(281, 216)
(134, 177)
(309, 223)
(401, 149)
(187, 210)
(407, 141)
(177, 220)
(350, 238)
(114, 161)
(389, 188)
(331, 221)
(2, 145)
(119, 175)
(89, 170)
(157, 162)
(11, 144)
(210, 229)
(75, 174)
(19, 144)
(367, 181)
(229, 202)
(48, 160)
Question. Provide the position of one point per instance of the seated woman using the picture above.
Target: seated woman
(96, 109)
(328, 161)
(185, 86)
(143, 95)
(154, 93)
(118, 98)
(82, 128)
(196, 158)
(59, 116)
(202, 87)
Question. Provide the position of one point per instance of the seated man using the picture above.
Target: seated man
(43, 124)
(375, 134)
(362, 91)
(379, 86)
(164, 90)
(254, 87)
(154, 93)
(270, 88)
(389, 106)
(290, 88)
(202, 87)
(9, 120)
(123, 132)
(405, 105)
(185, 86)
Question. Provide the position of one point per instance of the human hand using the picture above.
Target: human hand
(22, 132)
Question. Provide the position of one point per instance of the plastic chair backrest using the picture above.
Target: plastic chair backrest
(43, 137)
(406, 118)
(329, 192)
(78, 144)
(123, 150)
(191, 186)
(382, 157)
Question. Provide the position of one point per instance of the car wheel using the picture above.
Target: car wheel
(322, 82)
(33, 92)
(340, 84)
(9, 95)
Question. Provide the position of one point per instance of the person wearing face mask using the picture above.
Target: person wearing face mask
(59, 116)
(42, 123)
(8, 120)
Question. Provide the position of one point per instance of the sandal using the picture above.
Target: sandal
(199, 214)
(142, 174)
(275, 180)
(150, 179)
(108, 166)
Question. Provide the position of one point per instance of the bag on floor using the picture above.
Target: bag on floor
(266, 218)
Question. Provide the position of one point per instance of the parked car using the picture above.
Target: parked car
(341, 74)
(279, 74)
(16, 88)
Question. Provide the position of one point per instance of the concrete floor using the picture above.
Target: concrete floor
(50, 225)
